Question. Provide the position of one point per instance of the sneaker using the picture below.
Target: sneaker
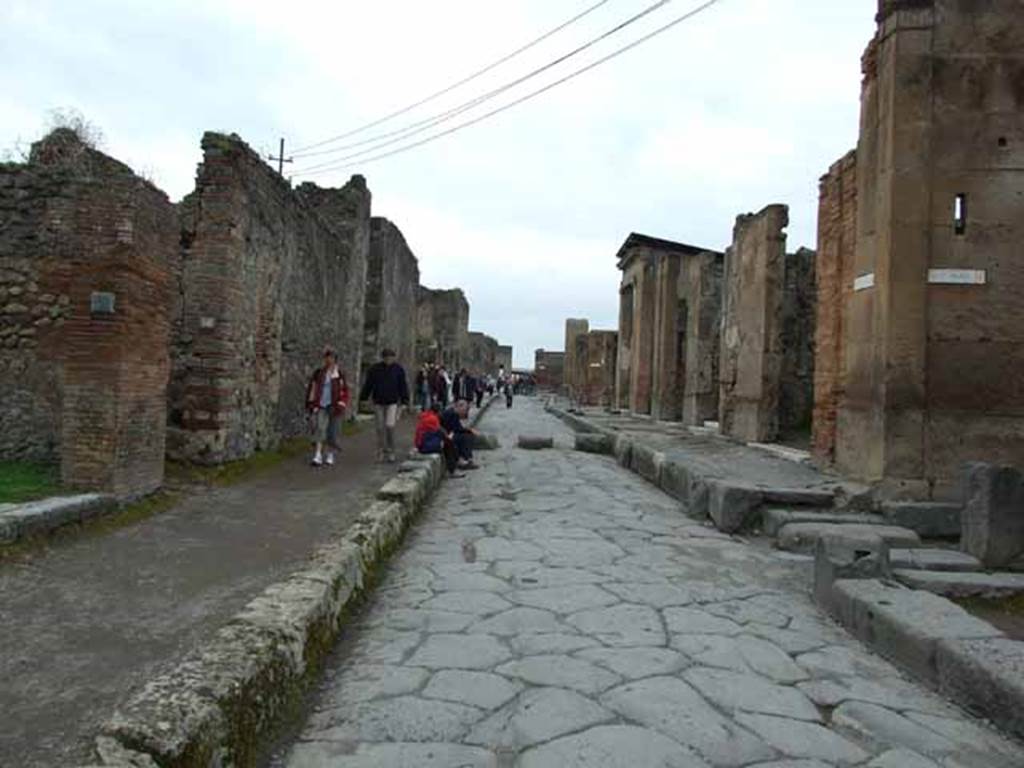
(317, 461)
(470, 465)
(330, 460)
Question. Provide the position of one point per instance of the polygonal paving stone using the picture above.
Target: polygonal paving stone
(787, 639)
(793, 764)
(477, 689)
(363, 682)
(518, 621)
(497, 548)
(537, 715)
(800, 739)
(621, 625)
(742, 653)
(476, 602)
(320, 754)
(471, 581)
(405, 718)
(747, 611)
(460, 652)
(902, 758)
(671, 706)
(885, 727)
(840, 661)
(384, 646)
(635, 663)
(535, 645)
(696, 621)
(967, 734)
(654, 595)
(574, 552)
(567, 599)
(427, 621)
(612, 746)
(561, 671)
(891, 692)
(748, 692)
(530, 575)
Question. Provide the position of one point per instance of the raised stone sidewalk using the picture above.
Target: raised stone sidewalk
(555, 610)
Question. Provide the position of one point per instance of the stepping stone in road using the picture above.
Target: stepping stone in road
(535, 442)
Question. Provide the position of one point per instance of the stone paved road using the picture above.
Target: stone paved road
(554, 610)
(91, 616)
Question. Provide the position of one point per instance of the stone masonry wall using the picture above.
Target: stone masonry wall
(700, 290)
(796, 380)
(837, 234)
(482, 356)
(575, 369)
(596, 351)
(86, 251)
(443, 327)
(263, 285)
(549, 369)
(504, 358)
(752, 325)
(392, 297)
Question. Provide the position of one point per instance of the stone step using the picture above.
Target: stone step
(951, 584)
(933, 560)
(773, 519)
(804, 537)
(798, 497)
(931, 519)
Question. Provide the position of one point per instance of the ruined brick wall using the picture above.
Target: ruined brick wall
(482, 356)
(82, 382)
(549, 369)
(575, 369)
(443, 327)
(392, 297)
(504, 358)
(837, 222)
(264, 283)
(935, 342)
(752, 325)
(796, 379)
(700, 292)
(596, 352)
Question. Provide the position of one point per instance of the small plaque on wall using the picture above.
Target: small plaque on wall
(957, 276)
(864, 282)
(102, 303)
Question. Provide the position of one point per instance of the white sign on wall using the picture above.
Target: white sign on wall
(957, 276)
(864, 282)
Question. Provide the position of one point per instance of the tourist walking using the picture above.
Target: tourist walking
(387, 388)
(480, 387)
(508, 393)
(327, 399)
(423, 387)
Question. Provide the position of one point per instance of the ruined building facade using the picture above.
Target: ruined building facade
(921, 231)
(132, 328)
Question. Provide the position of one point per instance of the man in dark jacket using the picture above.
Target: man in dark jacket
(461, 435)
(386, 386)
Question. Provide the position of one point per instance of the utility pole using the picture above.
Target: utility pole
(281, 159)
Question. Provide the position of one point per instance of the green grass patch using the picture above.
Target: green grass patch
(24, 481)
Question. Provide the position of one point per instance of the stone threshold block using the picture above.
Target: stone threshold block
(535, 442)
(959, 585)
(933, 560)
(803, 537)
(902, 624)
(773, 519)
(40, 518)
(931, 520)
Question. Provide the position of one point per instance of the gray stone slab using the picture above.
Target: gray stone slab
(636, 663)
(804, 537)
(902, 758)
(342, 754)
(672, 707)
(535, 442)
(404, 718)
(517, 622)
(986, 676)
(476, 689)
(923, 559)
(567, 599)
(773, 518)
(734, 506)
(613, 746)
(561, 671)
(820, 498)
(460, 652)
(960, 585)
(748, 692)
(742, 654)
(621, 625)
(534, 645)
(538, 715)
(696, 621)
(903, 624)
(883, 727)
(802, 739)
(993, 518)
(365, 682)
(931, 519)
(475, 602)
(595, 443)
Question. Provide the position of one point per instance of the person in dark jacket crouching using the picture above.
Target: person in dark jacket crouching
(431, 438)
(386, 386)
(460, 435)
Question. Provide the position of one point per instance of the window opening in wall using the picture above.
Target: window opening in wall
(960, 214)
(1002, 141)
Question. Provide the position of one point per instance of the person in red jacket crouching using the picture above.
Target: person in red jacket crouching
(431, 438)
(327, 399)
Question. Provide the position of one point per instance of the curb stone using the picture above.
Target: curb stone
(36, 518)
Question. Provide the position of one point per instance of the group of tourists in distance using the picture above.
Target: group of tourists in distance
(444, 405)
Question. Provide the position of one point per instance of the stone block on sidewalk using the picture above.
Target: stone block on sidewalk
(991, 586)
(623, 450)
(647, 463)
(595, 443)
(732, 506)
(485, 442)
(773, 518)
(535, 442)
(836, 558)
(993, 519)
(933, 560)
(803, 537)
(986, 676)
(931, 519)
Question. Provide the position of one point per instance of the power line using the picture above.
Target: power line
(460, 83)
(343, 162)
(394, 137)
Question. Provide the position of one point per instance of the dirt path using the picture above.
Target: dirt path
(89, 617)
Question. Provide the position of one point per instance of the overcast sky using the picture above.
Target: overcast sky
(746, 104)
